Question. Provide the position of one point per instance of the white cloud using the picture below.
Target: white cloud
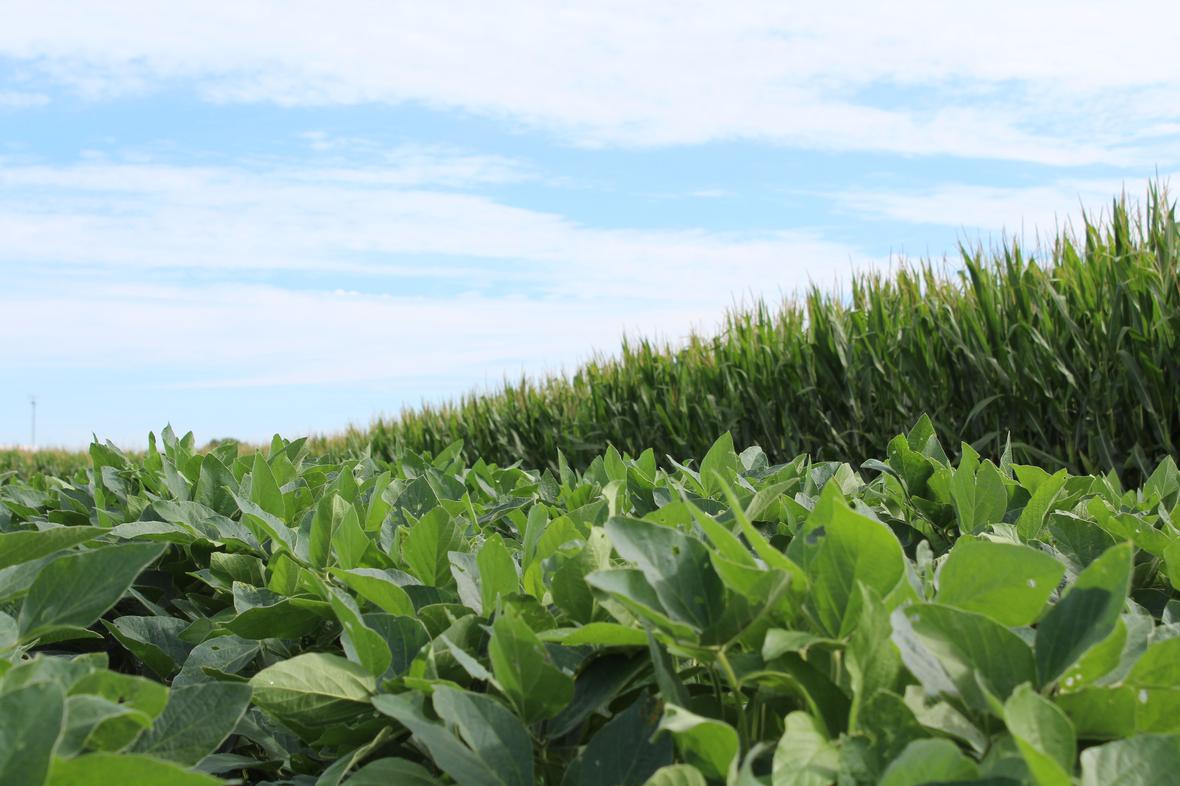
(14, 99)
(1053, 82)
(1014, 210)
(232, 220)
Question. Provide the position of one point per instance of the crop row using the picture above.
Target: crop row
(277, 618)
(1074, 354)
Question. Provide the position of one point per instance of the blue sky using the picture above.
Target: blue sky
(250, 218)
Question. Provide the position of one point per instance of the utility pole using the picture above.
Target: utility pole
(33, 422)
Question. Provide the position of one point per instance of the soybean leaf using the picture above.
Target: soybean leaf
(124, 768)
(524, 670)
(1144, 760)
(708, 744)
(313, 690)
(1006, 581)
(1085, 615)
(489, 745)
(929, 761)
(77, 589)
(804, 756)
(624, 752)
(853, 549)
(676, 566)
(1043, 734)
(28, 545)
(196, 720)
(30, 721)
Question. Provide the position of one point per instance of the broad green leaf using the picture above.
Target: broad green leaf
(1043, 734)
(264, 490)
(708, 744)
(1158, 667)
(364, 645)
(970, 653)
(379, 587)
(624, 752)
(1145, 760)
(154, 640)
(405, 637)
(196, 720)
(289, 618)
(30, 721)
(226, 654)
(1086, 613)
(497, 573)
(1005, 581)
(676, 775)
(524, 670)
(853, 549)
(804, 756)
(123, 768)
(979, 494)
(313, 690)
(1032, 518)
(929, 761)
(719, 462)
(384, 772)
(142, 698)
(873, 661)
(676, 566)
(77, 589)
(427, 545)
(350, 544)
(488, 747)
(26, 546)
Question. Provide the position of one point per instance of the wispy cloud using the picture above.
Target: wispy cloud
(1015, 210)
(15, 99)
(914, 77)
(362, 222)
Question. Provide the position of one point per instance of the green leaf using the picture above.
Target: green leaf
(77, 589)
(970, 653)
(28, 545)
(853, 549)
(1032, 518)
(708, 744)
(123, 768)
(264, 490)
(379, 587)
(405, 637)
(676, 566)
(427, 545)
(384, 772)
(154, 640)
(196, 720)
(489, 746)
(676, 775)
(978, 492)
(497, 573)
(1005, 581)
(804, 756)
(1145, 760)
(313, 691)
(30, 721)
(1044, 736)
(625, 752)
(719, 463)
(929, 761)
(525, 672)
(1085, 615)
(873, 661)
(1158, 667)
(365, 645)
